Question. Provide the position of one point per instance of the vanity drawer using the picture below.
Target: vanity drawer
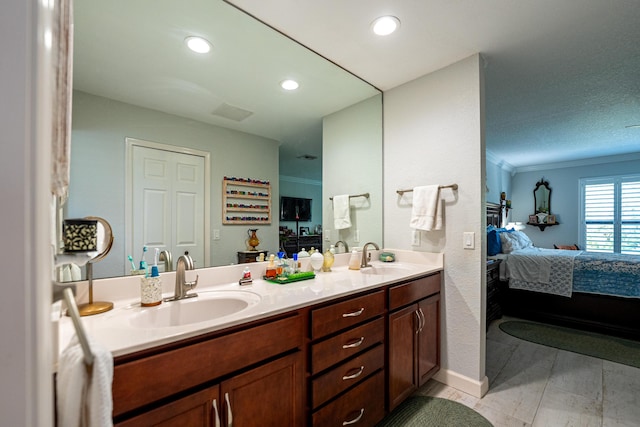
(361, 406)
(330, 319)
(333, 350)
(346, 375)
(413, 291)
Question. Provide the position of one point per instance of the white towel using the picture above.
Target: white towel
(341, 218)
(84, 398)
(426, 213)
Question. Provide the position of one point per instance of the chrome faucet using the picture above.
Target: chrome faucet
(346, 248)
(366, 257)
(168, 260)
(182, 287)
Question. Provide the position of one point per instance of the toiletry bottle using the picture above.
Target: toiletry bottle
(246, 273)
(151, 287)
(271, 271)
(354, 261)
(328, 260)
(295, 267)
(280, 266)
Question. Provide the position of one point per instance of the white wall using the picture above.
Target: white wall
(100, 126)
(25, 253)
(351, 164)
(433, 135)
(564, 185)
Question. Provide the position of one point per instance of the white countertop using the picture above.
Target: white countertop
(115, 331)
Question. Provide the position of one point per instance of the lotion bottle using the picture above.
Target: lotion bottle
(354, 261)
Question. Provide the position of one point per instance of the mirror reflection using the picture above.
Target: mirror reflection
(156, 128)
(542, 202)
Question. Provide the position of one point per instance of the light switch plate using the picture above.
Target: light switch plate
(415, 238)
(469, 240)
(215, 234)
(327, 235)
(357, 236)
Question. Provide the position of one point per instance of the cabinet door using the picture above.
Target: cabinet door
(195, 410)
(429, 338)
(403, 353)
(270, 395)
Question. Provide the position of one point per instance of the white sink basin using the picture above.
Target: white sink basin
(385, 270)
(206, 306)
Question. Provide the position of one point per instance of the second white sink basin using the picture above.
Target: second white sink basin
(206, 306)
(385, 270)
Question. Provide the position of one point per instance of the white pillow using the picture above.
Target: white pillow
(512, 242)
(523, 239)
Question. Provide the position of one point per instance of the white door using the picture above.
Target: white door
(168, 203)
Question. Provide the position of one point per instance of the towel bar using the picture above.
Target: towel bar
(72, 307)
(356, 195)
(454, 187)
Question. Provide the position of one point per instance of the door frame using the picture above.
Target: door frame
(130, 143)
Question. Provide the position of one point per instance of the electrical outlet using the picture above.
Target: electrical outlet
(469, 240)
(357, 236)
(415, 238)
(327, 235)
(215, 234)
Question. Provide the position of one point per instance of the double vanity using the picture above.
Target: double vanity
(344, 348)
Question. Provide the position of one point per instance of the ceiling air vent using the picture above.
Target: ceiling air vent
(307, 157)
(232, 113)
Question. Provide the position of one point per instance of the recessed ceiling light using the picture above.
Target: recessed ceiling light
(198, 44)
(385, 25)
(289, 84)
(632, 126)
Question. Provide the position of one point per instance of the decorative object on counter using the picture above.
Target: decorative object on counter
(317, 260)
(329, 259)
(80, 235)
(296, 277)
(252, 241)
(303, 254)
(151, 287)
(387, 257)
(105, 241)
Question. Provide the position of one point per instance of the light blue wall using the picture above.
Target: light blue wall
(564, 183)
(498, 180)
(308, 189)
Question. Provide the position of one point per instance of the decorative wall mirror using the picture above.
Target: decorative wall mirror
(542, 216)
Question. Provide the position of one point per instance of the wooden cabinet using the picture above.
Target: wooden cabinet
(494, 303)
(294, 244)
(413, 336)
(174, 386)
(347, 361)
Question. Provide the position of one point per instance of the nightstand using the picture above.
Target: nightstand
(494, 309)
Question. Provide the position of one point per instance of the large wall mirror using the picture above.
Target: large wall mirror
(135, 84)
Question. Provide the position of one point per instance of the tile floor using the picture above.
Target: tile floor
(539, 386)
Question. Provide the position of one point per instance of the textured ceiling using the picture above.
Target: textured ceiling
(562, 78)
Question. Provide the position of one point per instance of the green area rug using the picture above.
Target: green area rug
(425, 411)
(606, 347)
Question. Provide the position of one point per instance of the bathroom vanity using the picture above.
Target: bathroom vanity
(344, 348)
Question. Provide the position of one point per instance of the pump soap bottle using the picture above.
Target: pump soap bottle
(354, 261)
(151, 287)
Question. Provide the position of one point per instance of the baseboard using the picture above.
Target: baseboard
(462, 383)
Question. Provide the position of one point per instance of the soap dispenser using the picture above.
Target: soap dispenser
(151, 287)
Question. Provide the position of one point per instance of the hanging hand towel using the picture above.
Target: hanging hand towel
(84, 395)
(341, 218)
(426, 213)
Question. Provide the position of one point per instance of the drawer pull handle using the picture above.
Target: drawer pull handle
(354, 344)
(419, 326)
(354, 313)
(424, 321)
(353, 376)
(215, 411)
(355, 420)
(229, 411)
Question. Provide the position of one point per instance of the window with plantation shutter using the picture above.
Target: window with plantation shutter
(610, 217)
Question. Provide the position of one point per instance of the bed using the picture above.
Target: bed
(594, 291)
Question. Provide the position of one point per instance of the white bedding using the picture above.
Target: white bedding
(540, 270)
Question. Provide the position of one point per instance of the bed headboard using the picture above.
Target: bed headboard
(493, 214)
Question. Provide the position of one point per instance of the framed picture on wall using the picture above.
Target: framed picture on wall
(551, 219)
(304, 231)
(533, 219)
